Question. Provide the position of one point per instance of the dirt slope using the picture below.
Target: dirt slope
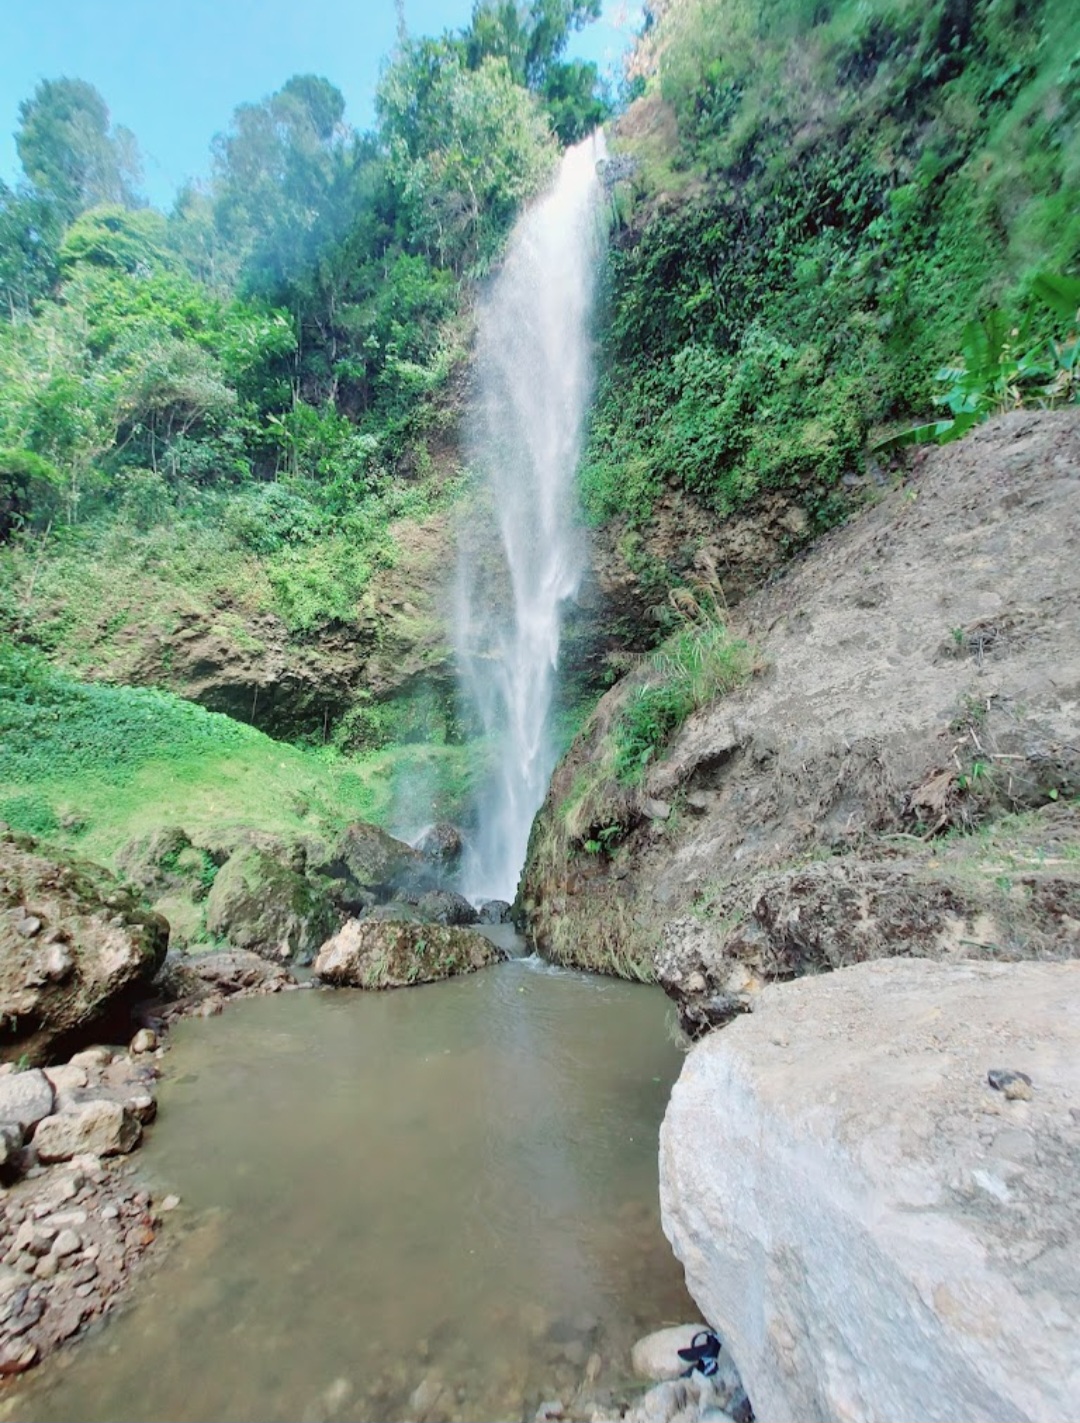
(921, 674)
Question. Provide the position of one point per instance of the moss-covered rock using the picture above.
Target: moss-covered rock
(74, 943)
(258, 903)
(369, 862)
(394, 954)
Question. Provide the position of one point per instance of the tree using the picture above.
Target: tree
(530, 37)
(466, 148)
(29, 233)
(70, 152)
(277, 173)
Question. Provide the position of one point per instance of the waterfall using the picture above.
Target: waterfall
(533, 383)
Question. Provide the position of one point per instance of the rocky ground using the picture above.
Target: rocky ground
(918, 679)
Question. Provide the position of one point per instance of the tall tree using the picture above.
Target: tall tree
(71, 153)
(29, 233)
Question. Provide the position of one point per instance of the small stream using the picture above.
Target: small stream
(451, 1187)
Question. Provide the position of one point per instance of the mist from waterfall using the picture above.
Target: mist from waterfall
(533, 385)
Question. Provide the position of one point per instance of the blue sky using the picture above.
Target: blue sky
(174, 70)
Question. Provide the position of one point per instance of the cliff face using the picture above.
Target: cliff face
(918, 678)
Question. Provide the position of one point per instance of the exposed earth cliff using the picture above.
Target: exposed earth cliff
(917, 678)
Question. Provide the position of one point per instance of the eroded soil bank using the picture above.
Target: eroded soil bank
(918, 679)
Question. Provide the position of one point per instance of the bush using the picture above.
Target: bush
(29, 490)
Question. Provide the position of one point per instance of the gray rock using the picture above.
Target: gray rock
(25, 1098)
(445, 906)
(493, 911)
(370, 954)
(442, 842)
(827, 1178)
(103, 1127)
(260, 904)
(656, 1356)
(101, 946)
(11, 1140)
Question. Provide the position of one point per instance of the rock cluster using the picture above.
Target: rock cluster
(72, 1224)
(283, 898)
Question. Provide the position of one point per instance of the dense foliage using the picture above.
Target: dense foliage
(827, 196)
(301, 318)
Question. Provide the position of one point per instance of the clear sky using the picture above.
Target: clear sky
(173, 70)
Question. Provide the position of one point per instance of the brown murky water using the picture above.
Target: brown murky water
(451, 1187)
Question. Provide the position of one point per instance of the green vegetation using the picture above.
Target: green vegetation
(95, 766)
(828, 196)
(691, 668)
(231, 409)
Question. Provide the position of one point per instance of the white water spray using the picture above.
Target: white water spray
(534, 380)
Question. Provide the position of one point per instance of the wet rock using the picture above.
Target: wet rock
(25, 1098)
(145, 1040)
(444, 906)
(100, 946)
(443, 843)
(894, 1285)
(368, 954)
(103, 1127)
(493, 911)
(430, 1400)
(258, 903)
(369, 862)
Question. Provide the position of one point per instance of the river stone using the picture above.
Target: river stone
(657, 1355)
(101, 1126)
(25, 1097)
(445, 906)
(442, 842)
(493, 911)
(98, 946)
(260, 904)
(856, 1208)
(367, 954)
(369, 861)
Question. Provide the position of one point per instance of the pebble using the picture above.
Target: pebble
(1015, 1085)
(29, 926)
(46, 1267)
(170, 1203)
(109, 1212)
(66, 1243)
(145, 1040)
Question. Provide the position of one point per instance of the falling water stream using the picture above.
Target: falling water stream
(534, 379)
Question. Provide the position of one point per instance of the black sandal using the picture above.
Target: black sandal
(703, 1355)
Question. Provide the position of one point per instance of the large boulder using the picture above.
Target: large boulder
(370, 864)
(261, 904)
(74, 944)
(394, 954)
(873, 1229)
(101, 1126)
